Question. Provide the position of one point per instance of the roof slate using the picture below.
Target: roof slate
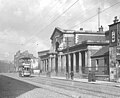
(103, 51)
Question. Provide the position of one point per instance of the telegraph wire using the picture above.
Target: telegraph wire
(48, 12)
(89, 10)
(81, 17)
(46, 15)
(59, 16)
(96, 14)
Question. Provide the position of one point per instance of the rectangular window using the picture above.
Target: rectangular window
(105, 66)
(105, 62)
(97, 64)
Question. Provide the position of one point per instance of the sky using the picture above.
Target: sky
(29, 24)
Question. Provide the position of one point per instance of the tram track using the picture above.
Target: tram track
(79, 87)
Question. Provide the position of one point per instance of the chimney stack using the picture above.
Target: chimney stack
(81, 29)
(101, 29)
(115, 20)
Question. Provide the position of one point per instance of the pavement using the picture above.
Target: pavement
(108, 83)
(117, 84)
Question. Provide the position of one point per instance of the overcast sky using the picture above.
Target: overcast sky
(24, 24)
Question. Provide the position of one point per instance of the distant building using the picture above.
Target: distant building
(20, 55)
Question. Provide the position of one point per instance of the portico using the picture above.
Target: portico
(69, 53)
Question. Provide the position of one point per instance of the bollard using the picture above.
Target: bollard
(89, 76)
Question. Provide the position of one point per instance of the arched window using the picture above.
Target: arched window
(57, 46)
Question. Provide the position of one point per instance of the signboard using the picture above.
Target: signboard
(118, 38)
(118, 51)
(113, 37)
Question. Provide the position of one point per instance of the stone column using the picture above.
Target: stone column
(86, 61)
(49, 66)
(69, 60)
(43, 65)
(89, 59)
(86, 58)
(53, 68)
(40, 65)
(62, 63)
(59, 63)
(80, 64)
(74, 62)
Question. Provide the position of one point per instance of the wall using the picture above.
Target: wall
(92, 37)
(102, 67)
(56, 38)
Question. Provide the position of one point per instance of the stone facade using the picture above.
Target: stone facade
(71, 51)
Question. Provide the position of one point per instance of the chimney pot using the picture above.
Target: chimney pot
(115, 19)
(101, 29)
(81, 29)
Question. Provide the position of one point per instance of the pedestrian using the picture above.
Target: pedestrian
(67, 75)
(72, 75)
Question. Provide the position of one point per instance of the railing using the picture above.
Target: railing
(101, 72)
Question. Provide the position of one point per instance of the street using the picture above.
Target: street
(66, 88)
(96, 90)
(12, 88)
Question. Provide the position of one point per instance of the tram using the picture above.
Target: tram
(25, 67)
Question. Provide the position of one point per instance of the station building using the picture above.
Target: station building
(71, 51)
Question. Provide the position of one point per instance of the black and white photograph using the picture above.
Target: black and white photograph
(59, 49)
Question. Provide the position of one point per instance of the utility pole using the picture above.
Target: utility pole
(98, 18)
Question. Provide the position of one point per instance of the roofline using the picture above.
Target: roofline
(43, 51)
(56, 28)
(114, 24)
(75, 32)
(107, 54)
(88, 43)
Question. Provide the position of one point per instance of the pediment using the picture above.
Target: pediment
(57, 33)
